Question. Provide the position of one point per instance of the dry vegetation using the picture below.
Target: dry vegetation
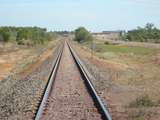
(14, 58)
(23, 84)
(127, 77)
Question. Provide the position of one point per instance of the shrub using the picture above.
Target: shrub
(149, 33)
(81, 34)
(4, 36)
(143, 101)
(25, 35)
(106, 43)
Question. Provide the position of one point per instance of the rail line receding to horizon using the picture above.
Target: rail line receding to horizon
(70, 93)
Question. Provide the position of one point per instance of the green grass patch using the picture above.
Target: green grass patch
(124, 49)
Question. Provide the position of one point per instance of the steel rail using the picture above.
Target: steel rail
(87, 77)
(49, 84)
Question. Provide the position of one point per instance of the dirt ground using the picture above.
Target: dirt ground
(22, 89)
(9, 57)
(120, 83)
(15, 59)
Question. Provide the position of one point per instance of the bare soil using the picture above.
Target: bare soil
(9, 58)
(35, 64)
(22, 59)
(21, 91)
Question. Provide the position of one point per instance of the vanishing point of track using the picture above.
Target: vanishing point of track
(69, 94)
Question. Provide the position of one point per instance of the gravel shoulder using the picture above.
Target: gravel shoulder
(103, 80)
(21, 91)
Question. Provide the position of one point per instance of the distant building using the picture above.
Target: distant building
(110, 35)
(119, 32)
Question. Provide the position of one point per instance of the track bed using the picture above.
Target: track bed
(69, 98)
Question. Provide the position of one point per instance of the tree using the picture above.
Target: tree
(147, 34)
(81, 34)
(149, 26)
(4, 35)
(25, 35)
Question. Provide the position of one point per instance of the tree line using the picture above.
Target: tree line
(149, 33)
(25, 35)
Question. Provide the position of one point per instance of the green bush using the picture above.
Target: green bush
(81, 34)
(143, 101)
(106, 43)
(25, 35)
(4, 35)
(147, 34)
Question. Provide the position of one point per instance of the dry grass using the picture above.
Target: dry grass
(21, 91)
(134, 71)
(14, 58)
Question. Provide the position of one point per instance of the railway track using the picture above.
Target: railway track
(69, 94)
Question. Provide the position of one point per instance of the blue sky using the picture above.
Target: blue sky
(96, 15)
